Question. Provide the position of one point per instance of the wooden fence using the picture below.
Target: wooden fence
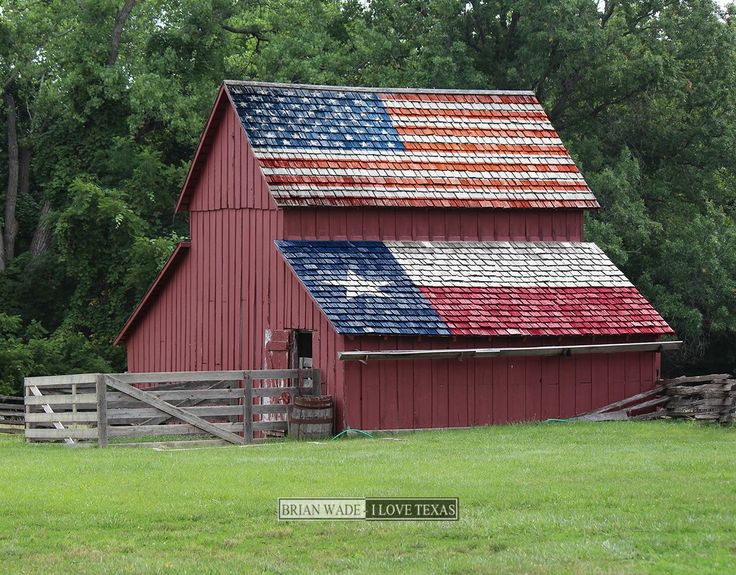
(12, 414)
(234, 407)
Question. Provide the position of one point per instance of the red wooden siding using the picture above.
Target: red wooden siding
(214, 309)
(214, 312)
(432, 224)
(450, 393)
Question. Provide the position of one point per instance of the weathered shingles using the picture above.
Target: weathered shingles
(470, 288)
(316, 123)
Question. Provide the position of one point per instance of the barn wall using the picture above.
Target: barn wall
(451, 393)
(433, 224)
(214, 313)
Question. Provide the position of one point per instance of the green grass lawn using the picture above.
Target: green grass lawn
(545, 498)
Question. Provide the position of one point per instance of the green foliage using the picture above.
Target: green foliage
(643, 92)
(31, 351)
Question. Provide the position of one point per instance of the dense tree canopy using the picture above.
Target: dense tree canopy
(104, 100)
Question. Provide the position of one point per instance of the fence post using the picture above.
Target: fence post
(101, 410)
(316, 382)
(27, 408)
(247, 408)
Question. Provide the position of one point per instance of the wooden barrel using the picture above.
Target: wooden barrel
(311, 417)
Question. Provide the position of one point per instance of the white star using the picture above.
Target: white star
(356, 286)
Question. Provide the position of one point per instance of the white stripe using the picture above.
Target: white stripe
(404, 173)
(508, 264)
(425, 193)
(399, 156)
(439, 106)
(469, 124)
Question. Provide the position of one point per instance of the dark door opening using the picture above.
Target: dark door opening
(303, 352)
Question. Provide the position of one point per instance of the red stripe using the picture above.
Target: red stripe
(416, 164)
(430, 130)
(545, 311)
(445, 183)
(465, 98)
(283, 199)
(487, 114)
(539, 150)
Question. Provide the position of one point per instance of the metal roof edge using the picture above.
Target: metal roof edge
(551, 350)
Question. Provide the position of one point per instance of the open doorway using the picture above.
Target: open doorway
(302, 356)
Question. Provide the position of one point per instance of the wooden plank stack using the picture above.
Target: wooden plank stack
(701, 398)
(12, 414)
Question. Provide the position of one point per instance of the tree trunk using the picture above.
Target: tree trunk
(117, 32)
(42, 235)
(11, 194)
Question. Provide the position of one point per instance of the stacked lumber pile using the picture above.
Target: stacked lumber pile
(701, 398)
(12, 414)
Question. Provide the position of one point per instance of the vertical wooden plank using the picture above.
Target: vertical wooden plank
(452, 227)
(533, 389)
(550, 407)
(574, 225)
(422, 381)
(500, 390)
(370, 381)
(517, 388)
(352, 393)
(405, 390)
(583, 387)
(518, 225)
(599, 377)
(545, 226)
(470, 397)
(503, 225)
(486, 227)
(616, 378)
(631, 377)
(101, 386)
(339, 224)
(483, 401)
(404, 224)
(533, 231)
(354, 222)
(389, 405)
(559, 225)
(248, 409)
(646, 370)
(457, 393)
(567, 386)
(371, 225)
(437, 225)
(440, 392)
(420, 225)
(469, 225)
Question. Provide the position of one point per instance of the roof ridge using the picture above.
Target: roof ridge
(379, 88)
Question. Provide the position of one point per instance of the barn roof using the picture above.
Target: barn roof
(344, 146)
(470, 288)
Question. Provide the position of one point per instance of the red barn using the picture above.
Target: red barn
(423, 248)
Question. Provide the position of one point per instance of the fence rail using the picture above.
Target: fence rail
(234, 407)
(12, 414)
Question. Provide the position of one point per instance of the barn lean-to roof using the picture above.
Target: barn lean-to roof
(471, 288)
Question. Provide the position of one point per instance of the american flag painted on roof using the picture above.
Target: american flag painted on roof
(470, 288)
(380, 147)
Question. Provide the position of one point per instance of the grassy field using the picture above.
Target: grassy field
(546, 498)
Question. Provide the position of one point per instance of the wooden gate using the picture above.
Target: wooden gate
(224, 407)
